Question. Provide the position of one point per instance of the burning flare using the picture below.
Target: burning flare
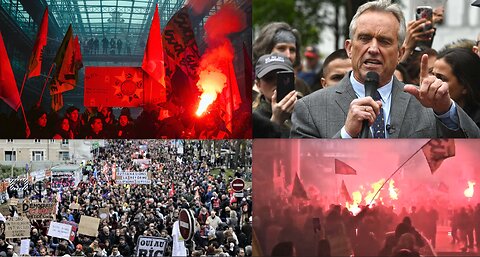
(212, 81)
(362, 197)
(469, 191)
(393, 192)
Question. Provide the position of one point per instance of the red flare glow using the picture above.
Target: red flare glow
(469, 191)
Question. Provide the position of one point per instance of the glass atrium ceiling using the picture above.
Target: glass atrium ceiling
(120, 19)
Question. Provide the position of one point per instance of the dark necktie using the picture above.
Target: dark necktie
(378, 126)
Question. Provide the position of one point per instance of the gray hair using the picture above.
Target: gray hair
(381, 6)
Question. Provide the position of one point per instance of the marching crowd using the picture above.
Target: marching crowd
(375, 231)
(180, 179)
(305, 109)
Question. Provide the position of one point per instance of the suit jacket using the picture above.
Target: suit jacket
(322, 114)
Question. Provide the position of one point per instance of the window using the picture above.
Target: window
(10, 156)
(9, 140)
(37, 140)
(64, 142)
(37, 155)
(64, 155)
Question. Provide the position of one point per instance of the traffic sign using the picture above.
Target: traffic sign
(238, 185)
(187, 224)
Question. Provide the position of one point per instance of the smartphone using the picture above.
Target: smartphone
(285, 84)
(425, 12)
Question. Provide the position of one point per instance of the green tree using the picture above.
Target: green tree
(304, 15)
(6, 171)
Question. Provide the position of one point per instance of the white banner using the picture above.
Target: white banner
(59, 230)
(125, 177)
(148, 246)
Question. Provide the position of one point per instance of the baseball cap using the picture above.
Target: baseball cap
(311, 52)
(270, 62)
(476, 3)
(10, 247)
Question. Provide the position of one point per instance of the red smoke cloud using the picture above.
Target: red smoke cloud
(215, 62)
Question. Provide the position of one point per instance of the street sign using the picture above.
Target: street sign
(187, 224)
(238, 185)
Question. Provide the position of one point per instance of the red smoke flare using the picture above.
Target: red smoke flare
(215, 62)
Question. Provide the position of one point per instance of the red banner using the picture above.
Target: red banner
(113, 87)
(8, 85)
(35, 62)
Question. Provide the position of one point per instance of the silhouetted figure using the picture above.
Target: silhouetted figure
(105, 45)
(119, 46)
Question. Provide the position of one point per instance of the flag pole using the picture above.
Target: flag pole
(45, 84)
(395, 172)
(25, 119)
(23, 83)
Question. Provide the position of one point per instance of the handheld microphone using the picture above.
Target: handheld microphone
(371, 84)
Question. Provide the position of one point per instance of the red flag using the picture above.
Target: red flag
(8, 85)
(153, 63)
(298, 189)
(113, 87)
(437, 150)
(344, 192)
(78, 60)
(35, 62)
(172, 191)
(343, 168)
(65, 75)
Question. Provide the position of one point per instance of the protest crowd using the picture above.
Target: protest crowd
(377, 230)
(135, 190)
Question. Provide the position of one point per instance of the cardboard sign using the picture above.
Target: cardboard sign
(38, 211)
(88, 226)
(59, 230)
(148, 246)
(74, 206)
(13, 202)
(17, 227)
(5, 209)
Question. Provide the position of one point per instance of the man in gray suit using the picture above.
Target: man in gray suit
(377, 32)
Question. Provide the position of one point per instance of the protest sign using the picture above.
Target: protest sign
(17, 227)
(25, 247)
(38, 211)
(148, 246)
(139, 178)
(59, 230)
(88, 226)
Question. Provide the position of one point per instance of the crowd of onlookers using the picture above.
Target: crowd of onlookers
(192, 175)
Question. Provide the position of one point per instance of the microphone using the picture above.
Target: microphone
(371, 84)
